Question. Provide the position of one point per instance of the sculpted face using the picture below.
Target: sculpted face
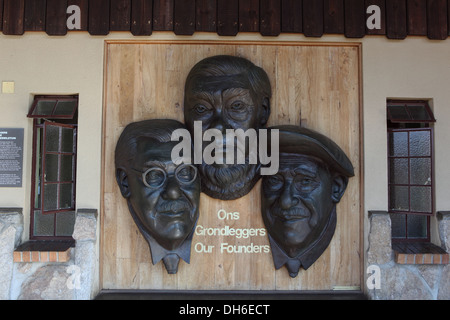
(219, 93)
(164, 196)
(297, 202)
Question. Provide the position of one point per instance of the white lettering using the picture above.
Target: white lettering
(74, 21)
(374, 21)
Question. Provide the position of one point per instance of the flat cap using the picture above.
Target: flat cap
(302, 141)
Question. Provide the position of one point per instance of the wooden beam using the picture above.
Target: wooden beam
(248, 15)
(56, 24)
(382, 5)
(184, 17)
(206, 15)
(227, 17)
(417, 17)
(84, 8)
(333, 18)
(163, 15)
(291, 16)
(270, 12)
(355, 22)
(34, 17)
(13, 17)
(437, 26)
(396, 19)
(141, 17)
(120, 15)
(99, 17)
(313, 18)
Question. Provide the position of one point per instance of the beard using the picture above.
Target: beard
(228, 182)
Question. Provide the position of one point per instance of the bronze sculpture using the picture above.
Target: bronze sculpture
(162, 197)
(299, 202)
(227, 92)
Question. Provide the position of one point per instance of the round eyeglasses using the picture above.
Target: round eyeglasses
(156, 177)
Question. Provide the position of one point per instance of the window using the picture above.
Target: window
(54, 167)
(410, 169)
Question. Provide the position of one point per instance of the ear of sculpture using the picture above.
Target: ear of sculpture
(265, 110)
(338, 187)
(122, 181)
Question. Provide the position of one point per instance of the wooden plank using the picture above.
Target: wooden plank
(163, 15)
(227, 17)
(437, 28)
(13, 16)
(141, 17)
(333, 19)
(99, 17)
(1, 15)
(382, 5)
(84, 10)
(184, 17)
(448, 16)
(56, 22)
(34, 18)
(355, 22)
(313, 18)
(291, 16)
(206, 15)
(270, 18)
(120, 15)
(248, 15)
(417, 17)
(396, 19)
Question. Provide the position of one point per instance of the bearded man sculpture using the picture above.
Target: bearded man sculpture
(162, 197)
(299, 202)
(227, 92)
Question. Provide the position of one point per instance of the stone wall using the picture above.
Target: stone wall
(402, 281)
(75, 279)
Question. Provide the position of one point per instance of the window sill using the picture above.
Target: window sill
(419, 253)
(44, 251)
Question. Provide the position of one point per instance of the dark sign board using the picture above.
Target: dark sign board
(11, 157)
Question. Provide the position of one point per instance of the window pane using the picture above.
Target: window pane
(44, 107)
(398, 171)
(66, 168)
(51, 168)
(52, 139)
(421, 171)
(419, 113)
(67, 140)
(65, 222)
(43, 224)
(398, 222)
(420, 143)
(417, 226)
(50, 197)
(399, 198)
(398, 113)
(421, 199)
(398, 144)
(66, 196)
(65, 108)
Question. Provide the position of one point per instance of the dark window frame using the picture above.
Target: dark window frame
(407, 104)
(39, 168)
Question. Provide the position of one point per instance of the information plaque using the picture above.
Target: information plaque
(11, 157)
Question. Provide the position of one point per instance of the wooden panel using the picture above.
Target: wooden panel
(56, 24)
(184, 17)
(34, 19)
(163, 15)
(13, 16)
(206, 15)
(313, 18)
(417, 17)
(291, 16)
(84, 8)
(141, 17)
(317, 83)
(270, 18)
(99, 17)
(396, 19)
(248, 15)
(355, 22)
(120, 15)
(333, 16)
(227, 17)
(382, 5)
(448, 15)
(437, 19)
(1, 15)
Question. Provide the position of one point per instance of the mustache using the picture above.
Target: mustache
(230, 176)
(173, 206)
(291, 214)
